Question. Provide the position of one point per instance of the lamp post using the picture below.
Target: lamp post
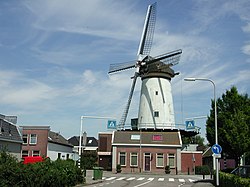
(81, 133)
(215, 120)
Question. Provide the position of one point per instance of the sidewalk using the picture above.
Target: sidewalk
(203, 183)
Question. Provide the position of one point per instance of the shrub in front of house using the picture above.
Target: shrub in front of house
(202, 170)
(231, 180)
(46, 173)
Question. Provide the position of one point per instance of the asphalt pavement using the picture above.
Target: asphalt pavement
(207, 182)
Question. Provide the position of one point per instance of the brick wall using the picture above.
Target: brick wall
(141, 163)
(42, 141)
(189, 160)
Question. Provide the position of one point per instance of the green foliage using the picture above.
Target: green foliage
(89, 159)
(193, 140)
(233, 116)
(230, 180)
(167, 169)
(202, 170)
(118, 168)
(47, 173)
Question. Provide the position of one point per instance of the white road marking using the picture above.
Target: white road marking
(141, 178)
(161, 179)
(131, 178)
(121, 178)
(143, 183)
(111, 178)
(171, 179)
(150, 179)
(181, 180)
(191, 180)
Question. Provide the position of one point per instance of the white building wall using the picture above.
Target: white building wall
(156, 96)
(54, 150)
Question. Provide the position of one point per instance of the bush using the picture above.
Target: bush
(202, 170)
(118, 168)
(167, 169)
(230, 180)
(47, 173)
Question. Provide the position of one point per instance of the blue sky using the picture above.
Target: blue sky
(55, 55)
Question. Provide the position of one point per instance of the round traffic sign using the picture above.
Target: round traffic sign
(216, 149)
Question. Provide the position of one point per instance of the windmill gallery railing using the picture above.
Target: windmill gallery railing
(162, 126)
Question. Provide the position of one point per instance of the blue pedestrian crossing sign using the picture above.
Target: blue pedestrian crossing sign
(111, 124)
(190, 124)
(216, 149)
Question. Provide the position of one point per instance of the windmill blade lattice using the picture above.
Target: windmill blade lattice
(148, 31)
(171, 58)
(121, 66)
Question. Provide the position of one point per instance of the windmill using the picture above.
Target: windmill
(156, 103)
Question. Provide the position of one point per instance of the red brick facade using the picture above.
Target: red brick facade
(40, 146)
(189, 160)
(147, 152)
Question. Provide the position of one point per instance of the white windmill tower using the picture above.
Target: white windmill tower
(156, 109)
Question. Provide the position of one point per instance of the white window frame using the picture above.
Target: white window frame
(159, 155)
(36, 154)
(30, 142)
(133, 155)
(25, 154)
(125, 159)
(27, 137)
(171, 155)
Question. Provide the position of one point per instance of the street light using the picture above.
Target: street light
(215, 120)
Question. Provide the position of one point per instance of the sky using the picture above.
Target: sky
(55, 56)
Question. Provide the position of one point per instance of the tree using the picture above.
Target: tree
(193, 140)
(89, 159)
(233, 116)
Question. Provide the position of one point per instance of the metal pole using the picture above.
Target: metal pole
(215, 122)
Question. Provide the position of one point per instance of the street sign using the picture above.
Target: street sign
(190, 124)
(216, 149)
(111, 124)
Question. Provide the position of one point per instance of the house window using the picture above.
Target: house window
(25, 153)
(171, 160)
(67, 156)
(159, 160)
(156, 113)
(58, 155)
(35, 153)
(133, 159)
(122, 157)
(25, 138)
(33, 139)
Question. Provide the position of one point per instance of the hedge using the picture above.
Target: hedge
(202, 170)
(47, 173)
(230, 180)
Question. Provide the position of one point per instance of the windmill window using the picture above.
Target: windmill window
(156, 113)
(156, 92)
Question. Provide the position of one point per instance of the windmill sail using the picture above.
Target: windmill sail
(144, 49)
(148, 31)
(125, 113)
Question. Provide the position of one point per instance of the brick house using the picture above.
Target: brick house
(40, 141)
(190, 158)
(146, 151)
(105, 150)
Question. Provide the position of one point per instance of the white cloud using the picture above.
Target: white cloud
(246, 49)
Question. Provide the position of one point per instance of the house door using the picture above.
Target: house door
(147, 161)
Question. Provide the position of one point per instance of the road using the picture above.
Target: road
(140, 180)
